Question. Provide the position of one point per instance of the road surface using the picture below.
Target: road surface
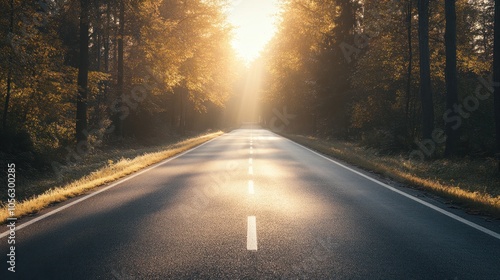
(253, 205)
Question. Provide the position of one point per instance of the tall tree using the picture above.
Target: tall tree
(425, 71)
(340, 69)
(9, 71)
(450, 37)
(409, 16)
(496, 76)
(83, 72)
(119, 82)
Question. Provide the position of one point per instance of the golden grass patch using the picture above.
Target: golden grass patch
(112, 171)
(472, 183)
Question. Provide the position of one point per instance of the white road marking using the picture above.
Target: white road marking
(250, 187)
(433, 207)
(250, 170)
(250, 161)
(251, 152)
(252, 233)
(30, 222)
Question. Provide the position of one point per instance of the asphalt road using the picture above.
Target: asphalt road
(253, 205)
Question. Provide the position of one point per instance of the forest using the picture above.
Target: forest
(81, 74)
(411, 77)
(401, 76)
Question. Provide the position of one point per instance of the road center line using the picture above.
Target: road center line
(250, 170)
(250, 161)
(252, 233)
(251, 189)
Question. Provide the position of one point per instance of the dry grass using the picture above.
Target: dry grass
(110, 172)
(472, 183)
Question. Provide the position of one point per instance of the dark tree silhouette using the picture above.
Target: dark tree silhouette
(9, 71)
(450, 37)
(496, 77)
(83, 71)
(119, 83)
(425, 71)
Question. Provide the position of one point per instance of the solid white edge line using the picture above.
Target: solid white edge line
(442, 211)
(30, 222)
(251, 233)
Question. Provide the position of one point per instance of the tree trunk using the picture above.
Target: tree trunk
(83, 69)
(9, 73)
(425, 71)
(106, 39)
(410, 65)
(496, 77)
(119, 83)
(452, 133)
(182, 113)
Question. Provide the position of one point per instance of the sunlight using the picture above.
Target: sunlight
(255, 24)
(250, 94)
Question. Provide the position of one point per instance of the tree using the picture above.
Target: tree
(9, 73)
(496, 77)
(83, 71)
(66, 63)
(452, 133)
(119, 83)
(425, 71)
(409, 16)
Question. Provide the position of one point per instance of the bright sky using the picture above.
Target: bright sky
(255, 24)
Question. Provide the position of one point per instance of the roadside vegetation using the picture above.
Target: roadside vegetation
(401, 88)
(389, 75)
(97, 169)
(467, 182)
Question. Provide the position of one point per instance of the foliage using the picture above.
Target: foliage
(168, 45)
(342, 66)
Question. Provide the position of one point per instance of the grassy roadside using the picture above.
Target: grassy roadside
(108, 171)
(470, 183)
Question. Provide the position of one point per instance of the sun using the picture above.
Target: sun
(255, 24)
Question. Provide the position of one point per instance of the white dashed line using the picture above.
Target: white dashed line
(250, 170)
(250, 161)
(251, 189)
(252, 234)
